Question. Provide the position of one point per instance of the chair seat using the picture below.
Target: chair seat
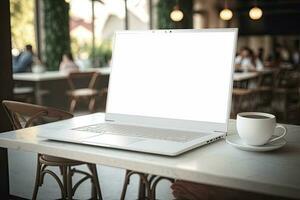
(55, 161)
(264, 89)
(285, 90)
(241, 92)
(23, 90)
(83, 92)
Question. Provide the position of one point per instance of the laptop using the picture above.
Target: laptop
(169, 92)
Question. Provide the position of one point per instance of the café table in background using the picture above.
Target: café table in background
(53, 81)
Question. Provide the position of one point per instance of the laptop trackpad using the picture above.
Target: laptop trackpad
(107, 140)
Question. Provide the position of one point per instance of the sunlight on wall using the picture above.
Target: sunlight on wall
(22, 23)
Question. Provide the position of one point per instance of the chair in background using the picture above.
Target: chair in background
(24, 94)
(79, 92)
(250, 96)
(24, 115)
(286, 96)
(243, 99)
(264, 90)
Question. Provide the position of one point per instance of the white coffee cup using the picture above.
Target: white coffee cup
(256, 128)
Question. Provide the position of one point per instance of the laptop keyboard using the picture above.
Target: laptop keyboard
(142, 132)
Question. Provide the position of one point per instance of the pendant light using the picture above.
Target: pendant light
(176, 15)
(255, 13)
(226, 14)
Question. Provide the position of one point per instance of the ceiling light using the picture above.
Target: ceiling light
(176, 15)
(226, 14)
(255, 13)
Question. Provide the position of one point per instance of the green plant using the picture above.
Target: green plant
(57, 36)
(165, 7)
(22, 23)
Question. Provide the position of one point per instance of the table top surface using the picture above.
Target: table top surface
(276, 172)
(53, 75)
(56, 75)
(241, 76)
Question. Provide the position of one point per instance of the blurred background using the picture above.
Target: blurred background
(267, 62)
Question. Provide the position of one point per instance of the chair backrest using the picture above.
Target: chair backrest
(278, 75)
(77, 76)
(24, 115)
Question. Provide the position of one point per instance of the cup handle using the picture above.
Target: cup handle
(280, 136)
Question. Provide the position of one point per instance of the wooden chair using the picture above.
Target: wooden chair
(147, 185)
(264, 92)
(251, 96)
(24, 115)
(286, 96)
(86, 93)
(183, 190)
(243, 100)
(25, 94)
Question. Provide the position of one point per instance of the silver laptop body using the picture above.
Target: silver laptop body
(169, 92)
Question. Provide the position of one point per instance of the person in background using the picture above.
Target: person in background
(67, 64)
(247, 61)
(23, 62)
(285, 54)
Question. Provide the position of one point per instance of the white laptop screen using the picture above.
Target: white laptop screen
(175, 75)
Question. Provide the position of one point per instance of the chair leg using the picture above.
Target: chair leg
(69, 183)
(142, 190)
(93, 191)
(72, 105)
(144, 187)
(92, 104)
(125, 185)
(61, 170)
(37, 179)
(65, 182)
(96, 189)
(154, 186)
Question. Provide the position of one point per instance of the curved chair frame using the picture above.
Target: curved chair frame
(148, 185)
(16, 111)
(87, 93)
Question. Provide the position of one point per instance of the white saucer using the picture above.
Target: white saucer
(237, 142)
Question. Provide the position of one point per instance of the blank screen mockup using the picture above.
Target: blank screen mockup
(178, 75)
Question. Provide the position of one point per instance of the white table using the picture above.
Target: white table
(244, 76)
(275, 173)
(243, 79)
(53, 75)
(38, 78)
(56, 75)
